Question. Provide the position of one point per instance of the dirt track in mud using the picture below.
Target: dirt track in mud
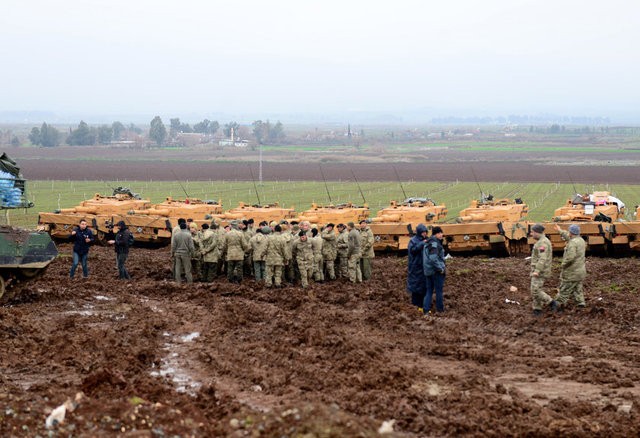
(156, 359)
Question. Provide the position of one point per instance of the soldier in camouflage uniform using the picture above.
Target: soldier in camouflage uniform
(303, 253)
(316, 244)
(354, 254)
(209, 252)
(342, 244)
(248, 231)
(235, 247)
(259, 252)
(573, 267)
(541, 256)
(290, 233)
(277, 255)
(367, 250)
(329, 250)
(196, 257)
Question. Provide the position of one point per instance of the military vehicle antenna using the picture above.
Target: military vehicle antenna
(358, 184)
(325, 183)
(400, 182)
(254, 185)
(575, 192)
(479, 188)
(181, 186)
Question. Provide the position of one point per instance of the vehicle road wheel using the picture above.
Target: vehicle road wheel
(28, 273)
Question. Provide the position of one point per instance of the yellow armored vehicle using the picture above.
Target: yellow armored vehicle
(489, 225)
(97, 211)
(154, 224)
(597, 214)
(393, 226)
(257, 212)
(335, 214)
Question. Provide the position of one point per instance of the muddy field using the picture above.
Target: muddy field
(153, 358)
(100, 163)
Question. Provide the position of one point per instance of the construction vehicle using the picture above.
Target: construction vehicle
(393, 226)
(321, 215)
(24, 254)
(489, 225)
(257, 212)
(598, 214)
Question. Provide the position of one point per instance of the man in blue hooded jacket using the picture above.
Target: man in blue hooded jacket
(434, 270)
(416, 281)
(82, 237)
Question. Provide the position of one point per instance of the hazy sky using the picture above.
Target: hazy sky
(153, 56)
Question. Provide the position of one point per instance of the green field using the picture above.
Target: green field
(542, 198)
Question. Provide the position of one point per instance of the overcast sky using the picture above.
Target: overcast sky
(152, 56)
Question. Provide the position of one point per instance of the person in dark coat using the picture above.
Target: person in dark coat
(122, 242)
(82, 237)
(416, 281)
(434, 270)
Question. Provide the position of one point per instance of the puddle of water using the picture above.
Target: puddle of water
(172, 364)
(102, 298)
(190, 337)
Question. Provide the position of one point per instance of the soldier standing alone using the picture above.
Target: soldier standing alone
(541, 256)
(573, 267)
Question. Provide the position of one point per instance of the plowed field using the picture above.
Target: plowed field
(153, 358)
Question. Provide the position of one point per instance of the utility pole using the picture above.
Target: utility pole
(260, 167)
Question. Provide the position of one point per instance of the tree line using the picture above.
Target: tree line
(84, 135)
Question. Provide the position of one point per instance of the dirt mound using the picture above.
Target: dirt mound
(154, 358)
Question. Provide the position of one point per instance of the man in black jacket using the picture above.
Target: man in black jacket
(122, 242)
(82, 237)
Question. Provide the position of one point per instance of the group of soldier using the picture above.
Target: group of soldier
(272, 252)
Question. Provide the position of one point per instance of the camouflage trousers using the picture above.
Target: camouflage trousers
(343, 267)
(209, 271)
(318, 271)
(569, 289)
(330, 269)
(273, 274)
(306, 272)
(540, 298)
(365, 267)
(259, 268)
(234, 270)
(353, 264)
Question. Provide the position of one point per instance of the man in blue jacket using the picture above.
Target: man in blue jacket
(416, 281)
(434, 270)
(82, 237)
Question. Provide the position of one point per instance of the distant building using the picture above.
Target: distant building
(233, 141)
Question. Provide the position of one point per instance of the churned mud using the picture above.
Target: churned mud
(153, 358)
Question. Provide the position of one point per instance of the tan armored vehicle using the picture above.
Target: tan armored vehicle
(489, 225)
(393, 226)
(335, 214)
